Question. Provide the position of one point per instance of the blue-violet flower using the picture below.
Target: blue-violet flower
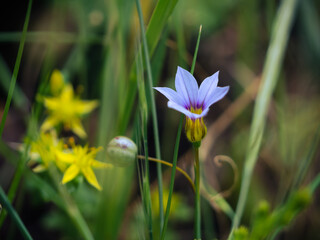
(192, 101)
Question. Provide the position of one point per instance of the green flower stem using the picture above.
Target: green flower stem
(173, 171)
(176, 149)
(71, 208)
(7, 205)
(271, 70)
(197, 214)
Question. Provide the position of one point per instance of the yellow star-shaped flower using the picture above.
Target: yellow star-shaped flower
(45, 148)
(67, 109)
(82, 160)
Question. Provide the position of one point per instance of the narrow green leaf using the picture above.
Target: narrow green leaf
(274, 59)
(12, 212)
(156, 25)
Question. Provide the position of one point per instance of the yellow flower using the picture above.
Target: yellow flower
(67, 109)
(45, 148)
(82, 160)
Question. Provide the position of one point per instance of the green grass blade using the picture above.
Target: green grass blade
(20, 167)
(7, 205)
(305, 163)
(176, 150)
(19, 99)
(16, 68)
(158, 20)
(153, 112)
(275, 54)
(156, 25)
(146, 194)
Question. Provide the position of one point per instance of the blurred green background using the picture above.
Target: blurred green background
(94, 43)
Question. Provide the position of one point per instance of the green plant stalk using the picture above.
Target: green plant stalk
(7, 205)
(153, 113)
(144, 116)
(146, 187)
(275, 54)
(315, 184)
(176, 149)
(156, 24)
(197, 215)
(173, 171)
(18, 173)
(16, 68)
(71, 207)
(15, 182)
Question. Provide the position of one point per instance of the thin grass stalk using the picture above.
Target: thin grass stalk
(302, 171)
(156, 25)
(146, 183)
(153, 112)
(146, 195)
(12, 212)
(18, 173)
(16, 68)
(71, 208)
(315, 183)
(176, 149)
(274, 59)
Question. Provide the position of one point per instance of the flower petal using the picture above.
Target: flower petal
(65, 157)
(77, 128)
(207, 87)
(97, 164)
(218, 93)
(187, 87)
(83, 107)
(49, 123)
(70, 173)
(186, 112)
(91, 178)
(171, 95)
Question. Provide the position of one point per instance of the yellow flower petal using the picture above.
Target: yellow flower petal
(56, 82)
(51, 103)
(67, 93)
(70, 173)
(91, 178)
(83, 107)
(77, 128)
(97, 164)
(49, 123)
(65, 157)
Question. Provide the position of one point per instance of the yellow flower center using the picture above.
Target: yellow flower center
(195, 129)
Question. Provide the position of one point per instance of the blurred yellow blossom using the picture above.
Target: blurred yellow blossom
(45, 148)
(82, 161)
(67, 109)
(56, 82)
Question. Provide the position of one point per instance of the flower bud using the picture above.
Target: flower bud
(195, 129)
(122, 151)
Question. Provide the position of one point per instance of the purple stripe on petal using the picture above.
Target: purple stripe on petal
(180, 108)
(187, 87)
(186, 112)
(207, 87)
(170, 94)
(215, 96)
